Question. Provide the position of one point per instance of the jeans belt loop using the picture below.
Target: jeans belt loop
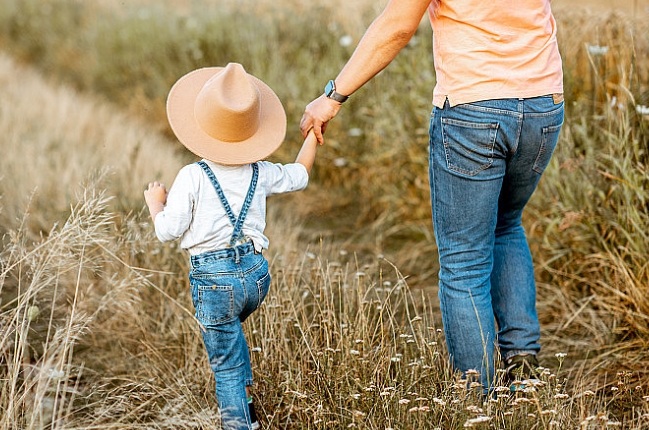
(237, 254)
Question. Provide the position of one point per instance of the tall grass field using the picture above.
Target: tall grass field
(96, 322)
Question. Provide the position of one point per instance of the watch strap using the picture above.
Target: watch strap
(330, 92)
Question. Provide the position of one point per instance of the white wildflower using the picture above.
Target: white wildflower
(642, 110)
(597, 50)
(478, 420)
(346, 40)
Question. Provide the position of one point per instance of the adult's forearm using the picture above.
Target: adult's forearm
(383, 40)
(371, 56)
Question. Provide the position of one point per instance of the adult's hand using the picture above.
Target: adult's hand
(382, 41)
(317, 115)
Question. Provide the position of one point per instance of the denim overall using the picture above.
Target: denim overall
(227, 285)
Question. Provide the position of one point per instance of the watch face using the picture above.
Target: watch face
(329, 88)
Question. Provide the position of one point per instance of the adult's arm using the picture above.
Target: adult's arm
(382, 41)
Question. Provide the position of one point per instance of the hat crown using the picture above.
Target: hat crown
(226, 115)
(228, 107)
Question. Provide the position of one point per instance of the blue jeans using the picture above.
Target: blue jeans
(227, 286)
(486, 159)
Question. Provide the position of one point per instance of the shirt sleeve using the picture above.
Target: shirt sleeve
(175, 219)
(283, 178)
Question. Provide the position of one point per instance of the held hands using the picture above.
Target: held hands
(155, 197)
(317, 115)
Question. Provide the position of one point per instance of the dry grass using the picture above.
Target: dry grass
(98, 331)
(57, 139)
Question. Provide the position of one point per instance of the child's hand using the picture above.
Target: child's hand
(156, 193)
(155, 197)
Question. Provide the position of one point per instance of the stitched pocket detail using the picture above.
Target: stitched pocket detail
(548, 143)
(263, 284)
(215, 304)
(469, 146)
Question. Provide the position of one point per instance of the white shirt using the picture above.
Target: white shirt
(194, 213)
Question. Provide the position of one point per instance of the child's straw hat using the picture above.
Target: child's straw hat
(225, 115)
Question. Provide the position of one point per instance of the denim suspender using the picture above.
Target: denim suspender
(237, 223)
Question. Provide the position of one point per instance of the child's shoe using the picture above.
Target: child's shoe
(254, 422)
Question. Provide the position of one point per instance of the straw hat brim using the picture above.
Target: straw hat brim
(180, 111)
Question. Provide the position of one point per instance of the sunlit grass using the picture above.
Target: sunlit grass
(95, 337)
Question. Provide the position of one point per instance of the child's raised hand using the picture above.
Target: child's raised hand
(156, 197)
(156, 193)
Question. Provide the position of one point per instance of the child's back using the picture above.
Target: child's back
(194, 210)
(217, 208)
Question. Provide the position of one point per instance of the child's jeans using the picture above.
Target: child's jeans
(227, 286)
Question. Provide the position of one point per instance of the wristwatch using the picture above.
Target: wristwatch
(330, 92)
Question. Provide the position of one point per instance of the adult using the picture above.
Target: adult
(498, 110)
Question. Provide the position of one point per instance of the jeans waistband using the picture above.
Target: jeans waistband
(235, 252)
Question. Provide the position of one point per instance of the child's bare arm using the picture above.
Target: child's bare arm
(306, 156)
(155, 197)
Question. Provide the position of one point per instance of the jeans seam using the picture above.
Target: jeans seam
(490, 110)
(543, 114)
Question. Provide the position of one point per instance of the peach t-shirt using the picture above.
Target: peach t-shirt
(494, 49)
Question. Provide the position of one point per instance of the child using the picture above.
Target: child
(217, 207)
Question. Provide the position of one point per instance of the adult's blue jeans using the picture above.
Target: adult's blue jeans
(486, 159)
(227, 286)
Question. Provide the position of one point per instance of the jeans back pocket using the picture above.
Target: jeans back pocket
(548, 144)
(214, 304)
(469, 146)
(263, 284)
